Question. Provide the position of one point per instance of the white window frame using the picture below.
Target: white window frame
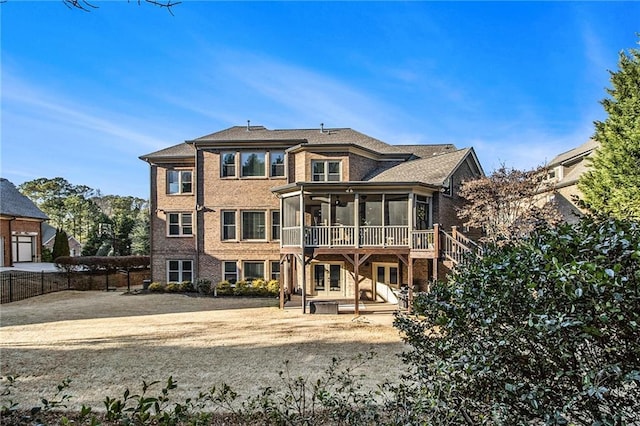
(275, 275)
(324, 177)
(181, 270)
(243, 157)
(224, 224)
(182, 224)
(223, 170)
(272, 164)
(181, 181)
(242, 223)
(275, 236)
(226, 273)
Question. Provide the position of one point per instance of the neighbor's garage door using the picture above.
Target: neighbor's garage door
(23, 248)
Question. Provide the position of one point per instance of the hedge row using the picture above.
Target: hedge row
(103, 262)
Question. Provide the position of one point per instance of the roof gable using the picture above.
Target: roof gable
(434, 170)
(14, 203)
(575, 153)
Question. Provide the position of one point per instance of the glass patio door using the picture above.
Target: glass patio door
(327, 279)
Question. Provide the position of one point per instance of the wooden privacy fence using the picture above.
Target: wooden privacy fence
(20, 285)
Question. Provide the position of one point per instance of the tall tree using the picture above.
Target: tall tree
(60, 244)
(141, 234)
(612, 185)
(508, 204)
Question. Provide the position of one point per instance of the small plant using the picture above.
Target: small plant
(203, 286)
(7, 405)
(156, 287)
(242, 288)
(224, 288)
(186, 286)
(173, 288)
(273, 287)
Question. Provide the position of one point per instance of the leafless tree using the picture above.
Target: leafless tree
(509, 203)
(88, 6)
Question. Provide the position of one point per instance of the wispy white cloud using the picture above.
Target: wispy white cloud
(44, 105)
(309, 96)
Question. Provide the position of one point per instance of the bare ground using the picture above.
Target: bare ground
(106, 342)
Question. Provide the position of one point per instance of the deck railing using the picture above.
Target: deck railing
(422, 240)
(364, 236)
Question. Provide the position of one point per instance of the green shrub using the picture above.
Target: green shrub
(173, 288)
(543, 331)
(186, 286)
(47, 254)
(242, 288)
(156, 287)
(273, 287)
(224, 288)
(203, 286)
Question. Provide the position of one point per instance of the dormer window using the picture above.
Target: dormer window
(326, 171)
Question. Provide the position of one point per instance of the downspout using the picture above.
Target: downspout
(152, 210)
(196, 266)
(304, 265)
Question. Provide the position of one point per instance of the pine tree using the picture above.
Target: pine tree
(612, 185)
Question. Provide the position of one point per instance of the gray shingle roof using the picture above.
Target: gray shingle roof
(426, 151)
(433, 170)
(13, 203)
(182, 150)
(309, 136)
(580, 151)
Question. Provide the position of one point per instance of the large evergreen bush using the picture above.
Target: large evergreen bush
(545, 331)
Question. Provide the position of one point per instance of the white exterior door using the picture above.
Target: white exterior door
(385, 277)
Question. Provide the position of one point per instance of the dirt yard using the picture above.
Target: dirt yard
(106, 342)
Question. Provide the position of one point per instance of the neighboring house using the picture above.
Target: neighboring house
(20, 220)
(49, 239)
(564, 172)
(312, 208)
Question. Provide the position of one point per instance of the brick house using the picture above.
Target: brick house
(313, 208)
(20, 226)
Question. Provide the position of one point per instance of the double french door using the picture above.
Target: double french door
(328, 279)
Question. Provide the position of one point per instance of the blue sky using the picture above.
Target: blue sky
(85, 94)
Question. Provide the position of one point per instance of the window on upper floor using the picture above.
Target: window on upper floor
(275, 224)
(253, 164)
(447, 188)
(277, 163)
(229, 225)
(228, 164)
(179, 270)
(326, 171)
(179, 224)
(179, 182)
(254, 225)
